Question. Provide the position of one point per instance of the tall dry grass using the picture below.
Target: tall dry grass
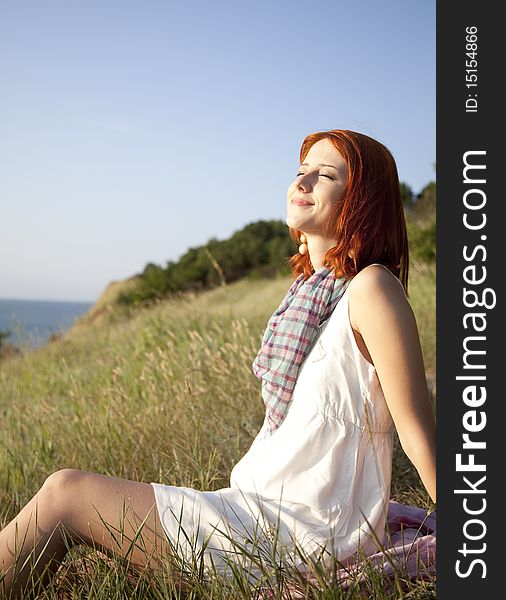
(166, 395)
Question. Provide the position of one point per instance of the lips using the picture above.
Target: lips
(301, 202)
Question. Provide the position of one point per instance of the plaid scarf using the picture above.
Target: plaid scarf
(289, 336)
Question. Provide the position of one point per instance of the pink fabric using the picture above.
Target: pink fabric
(409, 549)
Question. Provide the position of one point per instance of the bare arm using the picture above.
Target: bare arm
(380, 312)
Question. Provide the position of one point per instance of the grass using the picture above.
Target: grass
(164, 394)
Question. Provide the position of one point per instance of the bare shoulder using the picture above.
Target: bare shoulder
(375, 278)
(372, 291)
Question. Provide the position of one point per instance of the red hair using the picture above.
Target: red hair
(368, 222)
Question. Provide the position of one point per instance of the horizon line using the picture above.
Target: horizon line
(47, 300)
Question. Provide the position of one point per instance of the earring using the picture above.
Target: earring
(303, 244)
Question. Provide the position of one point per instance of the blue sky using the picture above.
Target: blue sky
(131, 131)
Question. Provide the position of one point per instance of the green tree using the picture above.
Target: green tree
(407, 195)
(425, 204)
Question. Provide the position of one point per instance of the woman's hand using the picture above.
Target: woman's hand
(381, 315)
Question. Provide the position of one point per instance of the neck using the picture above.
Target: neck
(317, 246)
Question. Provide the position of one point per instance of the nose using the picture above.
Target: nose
(304, 182)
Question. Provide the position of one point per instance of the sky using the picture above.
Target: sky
(131, 131)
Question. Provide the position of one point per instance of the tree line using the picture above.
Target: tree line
(261, 249)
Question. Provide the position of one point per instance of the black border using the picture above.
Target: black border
(459, 131)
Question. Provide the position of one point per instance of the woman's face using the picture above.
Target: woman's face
(321, 180)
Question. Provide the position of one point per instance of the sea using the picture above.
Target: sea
(31, 322)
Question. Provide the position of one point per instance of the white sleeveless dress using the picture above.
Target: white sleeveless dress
(321, 481)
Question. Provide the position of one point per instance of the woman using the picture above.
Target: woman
(340, 364)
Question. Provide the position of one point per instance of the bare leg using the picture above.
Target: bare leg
(81, 507)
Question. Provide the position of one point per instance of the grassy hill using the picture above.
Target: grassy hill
(164, 394)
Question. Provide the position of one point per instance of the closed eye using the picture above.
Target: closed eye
(320, 175)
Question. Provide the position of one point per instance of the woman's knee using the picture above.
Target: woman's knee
(63, 498)
(61, 482)
(62, 489)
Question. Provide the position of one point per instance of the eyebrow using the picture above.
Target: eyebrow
(320, 165)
